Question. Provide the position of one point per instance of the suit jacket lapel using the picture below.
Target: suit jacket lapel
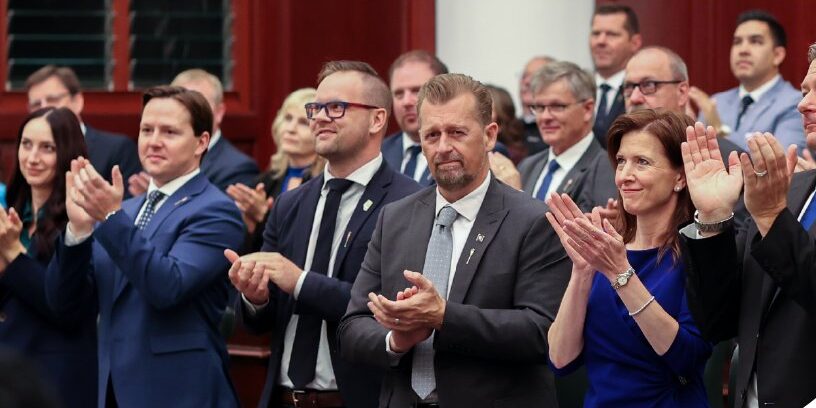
(131, 208)
(538, 168)
(573, 178)
(304, 220)
(487, 222)
(418, 231)
(756, 111)
(370, 200)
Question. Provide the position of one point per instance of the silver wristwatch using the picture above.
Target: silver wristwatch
(711, 227)
(623, 278)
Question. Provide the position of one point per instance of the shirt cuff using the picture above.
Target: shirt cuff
(299, 284)
(393, 357)
(251, 307)
(72, 239)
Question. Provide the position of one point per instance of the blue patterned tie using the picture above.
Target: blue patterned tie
(809, 215)
(410, 166)
(437, 270)
(152, 199)
(545, 184)
(601, 116)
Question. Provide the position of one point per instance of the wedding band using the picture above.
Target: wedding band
(761, 173)
(396, 321)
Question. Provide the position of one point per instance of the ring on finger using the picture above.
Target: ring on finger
(396, 321)
(761, 173)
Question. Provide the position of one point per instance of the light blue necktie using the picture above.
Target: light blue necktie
(437, 270)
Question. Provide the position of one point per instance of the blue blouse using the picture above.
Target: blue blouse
(3, 195)
(623, 369)
(293, 172)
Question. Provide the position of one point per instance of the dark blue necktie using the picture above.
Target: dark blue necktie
(602, 111)
(809, 215)
(410, 166)
(545, 184)
(307, 336)
(747, 100)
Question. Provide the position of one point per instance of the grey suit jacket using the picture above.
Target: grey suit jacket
(774, 112)
(492, 348)
(591, 182)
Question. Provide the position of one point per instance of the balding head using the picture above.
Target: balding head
(667, 69)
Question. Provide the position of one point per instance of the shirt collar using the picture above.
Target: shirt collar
(757, 93)
(169, 188)
(407, 142)
(361, 176)
(469, 205)
(216, 136)
(84, 128)
(615, 81)
(568, 158)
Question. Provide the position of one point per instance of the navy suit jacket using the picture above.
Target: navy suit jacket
(393, 154)
(225, 165)
(601, 127)
(161, 293)
(287, 231)
(106, 150)
(66, 353)
(774, 112)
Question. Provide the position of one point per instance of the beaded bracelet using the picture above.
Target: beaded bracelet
(648, 302)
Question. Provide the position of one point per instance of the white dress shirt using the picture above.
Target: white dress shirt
(566, 161)
(324, 372)
(421, 163)
(615, 81)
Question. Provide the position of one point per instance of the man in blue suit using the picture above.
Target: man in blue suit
(153, 264)
(314, 242)
(763, 102)
(401, 150)
(59, 87)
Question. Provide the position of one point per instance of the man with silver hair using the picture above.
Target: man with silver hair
(575, 163)
(757, 282)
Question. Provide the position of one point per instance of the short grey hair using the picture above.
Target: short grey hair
(580, 82)
(677, 66)
(811, 53)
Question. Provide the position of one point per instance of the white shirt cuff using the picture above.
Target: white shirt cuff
(72, 239)
(299, 284)
(393, 356)
(251, 307)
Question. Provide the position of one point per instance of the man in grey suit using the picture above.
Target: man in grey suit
(763, 102)
(471, 330)
(575, 163)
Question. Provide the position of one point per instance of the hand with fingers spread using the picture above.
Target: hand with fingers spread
(97, 197)
(138, 183)
(599, 244)
(10, 228)
(713, 188)
(248, 278)
(79, 221)
(253, 203)
(610, 212)
(767, 175)
(563, 209)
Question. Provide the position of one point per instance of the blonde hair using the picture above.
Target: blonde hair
(279, 161)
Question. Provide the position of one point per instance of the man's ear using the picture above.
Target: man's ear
(379, 120)
(203, 143)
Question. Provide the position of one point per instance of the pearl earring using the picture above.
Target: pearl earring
(677, 189)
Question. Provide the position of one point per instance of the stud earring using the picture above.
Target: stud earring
(677, 189)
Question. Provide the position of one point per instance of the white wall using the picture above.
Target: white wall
(491, 40)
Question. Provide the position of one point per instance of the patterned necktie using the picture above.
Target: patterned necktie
(747, 100)
(437, 270)
(602, 114)
(410, 166)
(545, 184)
(152, 199)
(303, 361)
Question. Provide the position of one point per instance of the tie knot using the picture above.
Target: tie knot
(747, 100)
(414, 150)
(605, 88)
(552, 166)
(338, 184)
(446, 216)
(154, 196)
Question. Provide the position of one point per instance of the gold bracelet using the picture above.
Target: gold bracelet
(648, 302)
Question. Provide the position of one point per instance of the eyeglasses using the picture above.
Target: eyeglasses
(334, 109)
(646, 87)
(48, 100)
(555, 108)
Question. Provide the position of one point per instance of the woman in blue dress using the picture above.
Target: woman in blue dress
(66, 353)
(624, 313)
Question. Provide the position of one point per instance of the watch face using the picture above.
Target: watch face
(622, 280)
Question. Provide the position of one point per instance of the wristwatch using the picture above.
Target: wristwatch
(711, 227)
(623, 278)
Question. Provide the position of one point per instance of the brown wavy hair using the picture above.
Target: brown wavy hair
(70, 144)
(670, 130)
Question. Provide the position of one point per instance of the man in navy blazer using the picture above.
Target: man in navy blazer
(402, 150)
(303, 276)
(153, 264)
(60, 87)
(764, 101)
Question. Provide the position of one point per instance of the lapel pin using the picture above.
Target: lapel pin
(472, 250)
(182, 201)
(348, 237)
(367, 205)
(568, 185)
(479, 238)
